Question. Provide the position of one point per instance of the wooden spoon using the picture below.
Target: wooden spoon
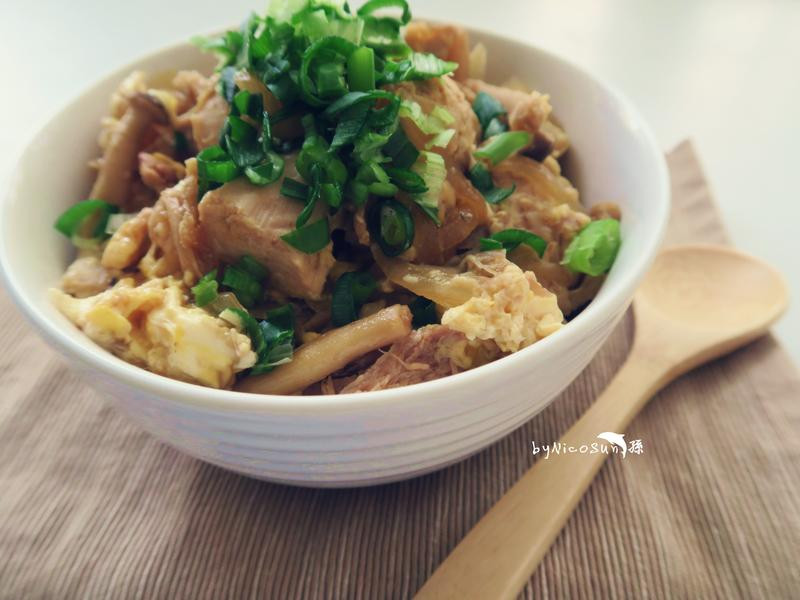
(696, 304)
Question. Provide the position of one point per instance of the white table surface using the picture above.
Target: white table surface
(723, 72)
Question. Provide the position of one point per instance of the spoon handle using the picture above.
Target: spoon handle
(498, 555)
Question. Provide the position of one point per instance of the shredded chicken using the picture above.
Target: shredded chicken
(85, 277)
(426, 354)
(179, 245)
(151, 325)
(159, 172)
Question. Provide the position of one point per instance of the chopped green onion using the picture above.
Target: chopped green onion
(511, 238)
(423, 312)
(379, 188)
(214, 164)
(488, 109)
(500, 147)
(85, 222)
(594, 249)
(497, 195)
(406, 180)
(391, 226)
(246, 287)
(481, 178)
(429, 124)
(400, 150)
(291, 188)
(205, 292)
(372, 5)
(272, 341)
(254, 268)
(430, 167)
(267, 172)
(361, 70)
(326, 51)
(495, 127)
(350, 292)
(310, 238)
(417, 67)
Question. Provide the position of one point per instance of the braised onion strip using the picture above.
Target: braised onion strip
(314, 361)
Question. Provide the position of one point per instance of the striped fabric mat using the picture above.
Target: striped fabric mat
(91, 507)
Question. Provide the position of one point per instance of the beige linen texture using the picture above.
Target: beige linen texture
(91, 507)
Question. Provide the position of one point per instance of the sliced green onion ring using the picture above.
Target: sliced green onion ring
(595, 248)
(310, 238)
(511, 238)
(496, 149)
(390, 224)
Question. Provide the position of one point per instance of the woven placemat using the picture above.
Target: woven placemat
(91, 507)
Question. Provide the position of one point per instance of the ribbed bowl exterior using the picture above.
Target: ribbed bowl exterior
(373, 445)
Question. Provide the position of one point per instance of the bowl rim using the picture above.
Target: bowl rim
(222, 400)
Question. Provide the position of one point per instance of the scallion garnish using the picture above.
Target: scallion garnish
(206, 290)
(390, 224)
(361, 70)
(350, 292)
(272, 339)
(244, 279)
(291, 188)
(595, 248)
(481, 178)
(511, 238)
(431, 169)
(503, 145)
(489, 110)
(85, 222)
(310, 238)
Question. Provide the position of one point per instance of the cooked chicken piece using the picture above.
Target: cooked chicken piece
(461, 209)
(426, 354)
(151, 325)
(129, 243)
(117, 168)
(158, 171)
(448, 42)
(526, 111)
(446, 93)
(85, 277)
(179, 245)
(207, 120)
(200, 109)
(511, 307)
(241, 218)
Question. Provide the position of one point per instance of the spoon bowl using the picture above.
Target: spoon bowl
(700, 302)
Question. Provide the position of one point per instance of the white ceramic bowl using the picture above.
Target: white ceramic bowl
(355, 439)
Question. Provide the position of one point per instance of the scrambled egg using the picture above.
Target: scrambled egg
(151, 325)
(510, 307)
